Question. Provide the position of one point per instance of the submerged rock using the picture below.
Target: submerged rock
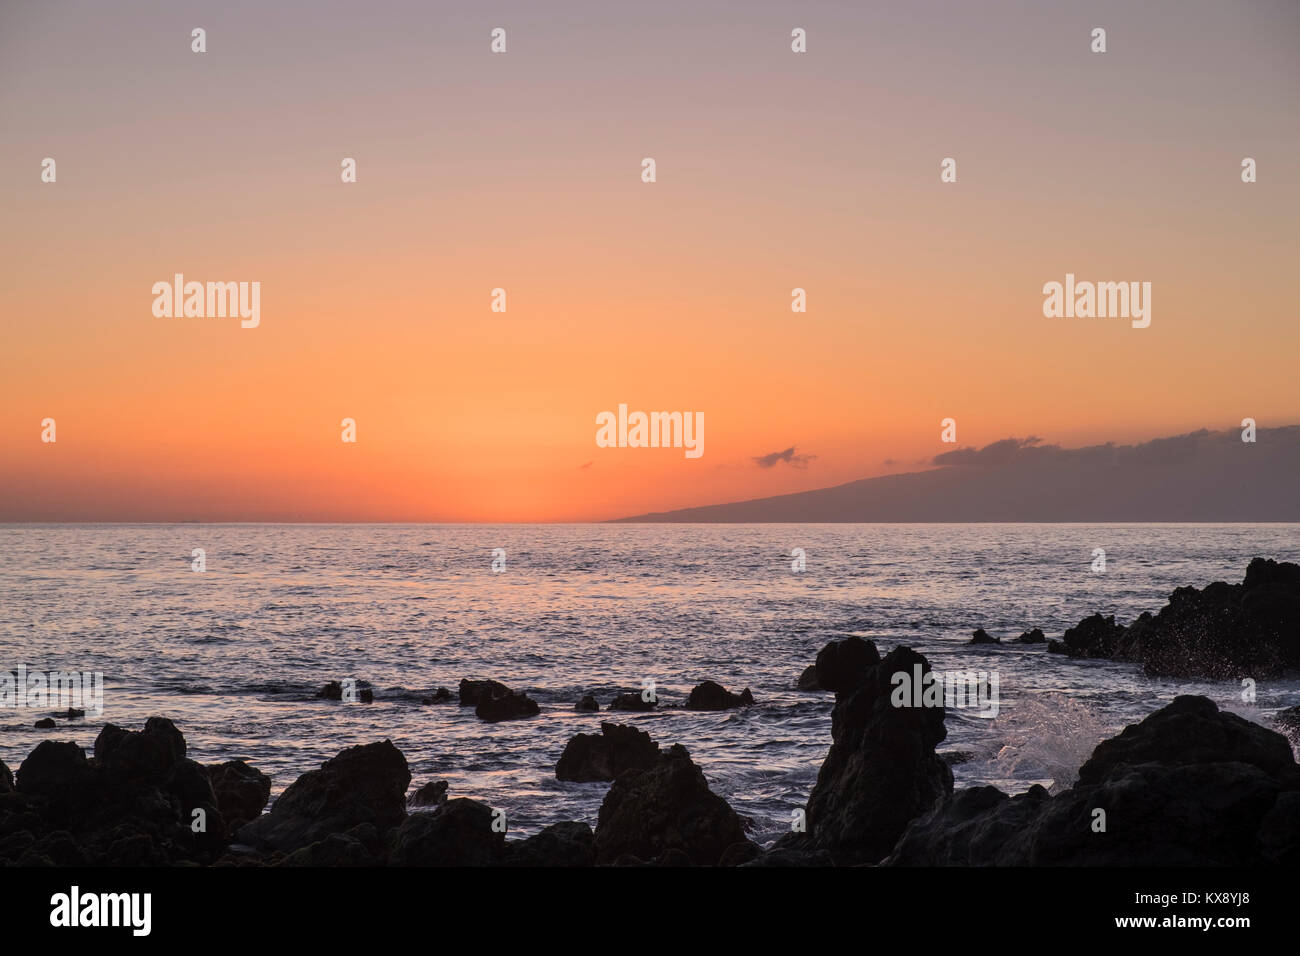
(439, 696)
(1034, 636)
(603, 756)
(982, 636)
(713, 696)
(632, 702)
(334, 691)
(668, 806)
(45, 723)
(587, 703)
(1189, 785)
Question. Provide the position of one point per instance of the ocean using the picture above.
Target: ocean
(235, 654)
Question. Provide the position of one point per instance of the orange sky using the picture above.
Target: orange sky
(522, 171)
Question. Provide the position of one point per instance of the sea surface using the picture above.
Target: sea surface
(235, 654)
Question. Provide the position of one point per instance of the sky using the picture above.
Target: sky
(477, 170)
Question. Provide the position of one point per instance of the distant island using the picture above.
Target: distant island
(1200, 476)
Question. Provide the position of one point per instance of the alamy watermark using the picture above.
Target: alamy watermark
(63, 690)
(951, 689)
(652, 430)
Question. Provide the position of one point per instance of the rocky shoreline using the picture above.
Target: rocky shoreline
(1188, 785)
(1219, 632)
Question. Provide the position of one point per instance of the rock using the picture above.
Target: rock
(6, 779)
(45, 723)
(1094, 636)
(241, 791)
(632, 702)
(843, 665)
(712, 696)
(1223, 631)
(511, 706)
(1288, 720)
(72, 713)
(439, 696)
(982, 636)
(666, 807)
(741, 853)
(1189, 785)
(472, 691)
(560, 844)
(132, 804)
(54, 770)
(360, 846)
(432, 794)
(881, 771)
(604, 756)
(458, 834)
(1035, 636)
(363, 784)
(791, 857)
(334, 691)
(1191, 730)
(808, 679)
(146, 756)
(587, 703)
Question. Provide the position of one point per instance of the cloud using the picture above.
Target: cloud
(788, 456)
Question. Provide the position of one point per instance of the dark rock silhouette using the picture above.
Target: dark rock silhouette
(360, 846)
(1288, 720)
(648, 813)
(1034, 636)
(362, 784)
(982, 636)
(334, 691)
(45, 723)
(432, 794)
(509, 706)
(808, 679)
(460, 833)
(439, 696)
(560, 844)
(632, 702)
(133, 803)
(587, 703)
(881, 771)
(241, 791)
(842, 666)
(604, 756)
(1250, 629)
(472, 691)
(1189, 785)
(1221, 631)
(713, 696)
